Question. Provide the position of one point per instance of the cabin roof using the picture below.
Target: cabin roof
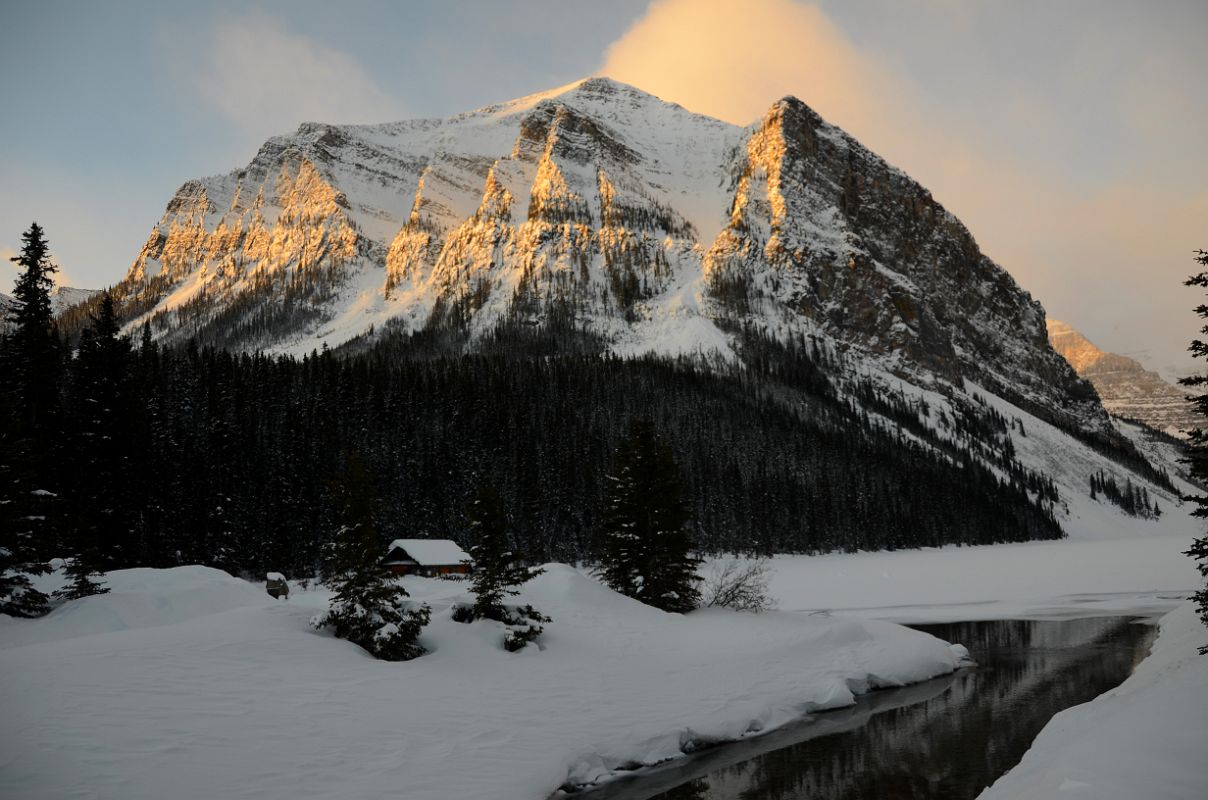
(430, 552)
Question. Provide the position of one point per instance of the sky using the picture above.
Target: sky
(1066, 135)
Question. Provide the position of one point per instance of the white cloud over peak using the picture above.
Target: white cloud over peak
(267, 79)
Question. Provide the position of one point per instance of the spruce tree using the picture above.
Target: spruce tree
(1197, 459)
(101, 416)
(33, 351)
(85, 579)
(497, 571)
(29, 400)
(647, 549)
(367, 607)
(19, 557)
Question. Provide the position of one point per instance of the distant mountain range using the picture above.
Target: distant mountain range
(1126, 388)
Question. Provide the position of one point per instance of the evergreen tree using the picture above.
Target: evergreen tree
(19, 557)
(84, 579)
(368, 607)
(647, 547)
(497, 571)
(29, 400)
(33, 353)
(101, 423)
(1198, 446)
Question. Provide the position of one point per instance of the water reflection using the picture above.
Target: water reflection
(946, 739)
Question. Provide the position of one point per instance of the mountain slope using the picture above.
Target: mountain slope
(61, 299)
(1126, 388)
(598, 217)
(647, 225)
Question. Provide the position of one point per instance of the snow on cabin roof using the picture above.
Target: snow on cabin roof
(431, 552)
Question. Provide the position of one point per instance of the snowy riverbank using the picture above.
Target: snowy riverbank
(190, 683)
(1142, 739)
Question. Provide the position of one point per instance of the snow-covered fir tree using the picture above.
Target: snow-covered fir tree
(368, 607)
(497, 569)
(647, 548)
(86, 581)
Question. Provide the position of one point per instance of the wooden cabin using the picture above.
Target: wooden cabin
(426, 557)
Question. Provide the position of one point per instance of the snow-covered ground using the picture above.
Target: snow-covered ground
(1144, 739)
(1064, 578)
(190, 683)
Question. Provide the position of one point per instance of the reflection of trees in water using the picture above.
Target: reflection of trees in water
(956, 744)
(695, 789)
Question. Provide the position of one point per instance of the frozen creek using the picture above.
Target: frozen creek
(949, 738)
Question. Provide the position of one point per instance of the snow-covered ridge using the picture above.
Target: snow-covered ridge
(1126, 388)
(61, 299)
(646, 222)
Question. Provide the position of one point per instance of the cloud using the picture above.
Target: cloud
(11, 271)
(732, 60)
(1093, 208)
(267, 79)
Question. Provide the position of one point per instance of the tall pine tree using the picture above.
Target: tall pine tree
(30, 368)
(647, 548)
(497, 571)
(33, 352)
(102, 415)
(368, 607)
(1198, 445)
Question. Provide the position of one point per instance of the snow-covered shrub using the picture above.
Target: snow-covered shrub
(464, 613)
(524, 623)
(387, 627)
(742, 586)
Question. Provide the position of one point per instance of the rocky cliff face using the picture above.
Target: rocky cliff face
(650, 226)
(824, 227)
(1126, 388)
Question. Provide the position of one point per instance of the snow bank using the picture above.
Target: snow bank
(138, 598)
(189, 683)
(1143, 739)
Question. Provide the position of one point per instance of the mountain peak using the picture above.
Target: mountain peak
(1126, 388)
(656, 227)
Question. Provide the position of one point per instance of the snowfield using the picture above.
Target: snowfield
(1147, 574)
(190, 683)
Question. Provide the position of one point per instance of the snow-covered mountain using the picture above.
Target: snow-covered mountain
(1126, 388)
(653, 227)
(61, 298)
(64, 297)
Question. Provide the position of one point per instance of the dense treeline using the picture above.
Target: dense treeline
(1132, 498)
(166, 456)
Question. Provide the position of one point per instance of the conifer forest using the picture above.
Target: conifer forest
(192, 454)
